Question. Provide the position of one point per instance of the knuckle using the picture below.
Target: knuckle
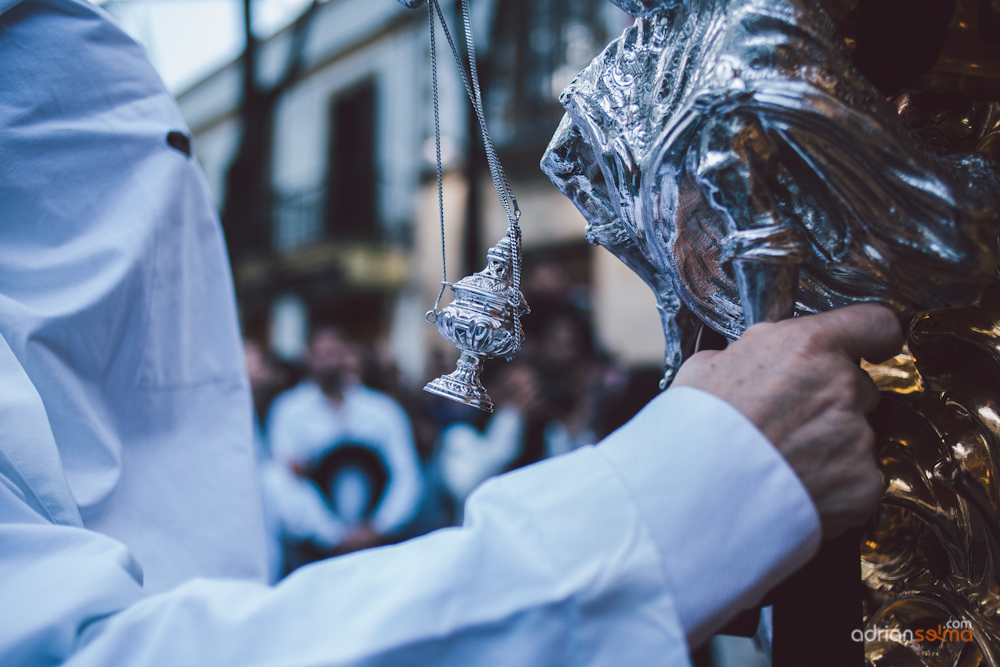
(870, 481)
(760, 329)
(701, 357)
(843, 391)
(695, 367)
(871, 474)
(873, 494)
(803, 338)
(866, 440)
(818, 343)
(698, 360)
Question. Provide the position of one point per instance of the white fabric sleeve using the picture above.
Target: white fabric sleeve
(405, 488)
(578, 560)
(553, 566)
(297, 509)
(728, 515)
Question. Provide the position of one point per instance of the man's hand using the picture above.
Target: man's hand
(799, 382)
(362, 537)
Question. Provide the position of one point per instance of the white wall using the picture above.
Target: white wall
(625, 313)
(301, 146)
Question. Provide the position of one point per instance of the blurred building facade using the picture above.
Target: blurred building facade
(352, 235)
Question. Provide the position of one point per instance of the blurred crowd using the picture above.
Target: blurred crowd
(351, 458)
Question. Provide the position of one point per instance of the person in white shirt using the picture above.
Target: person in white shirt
(130, 527)
(327, 415)
(470, 452)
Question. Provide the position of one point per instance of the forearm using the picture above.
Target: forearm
(405, 488)
(541, 573)
(726, 512)
(603, 556)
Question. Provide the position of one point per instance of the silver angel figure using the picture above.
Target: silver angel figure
(731, 155)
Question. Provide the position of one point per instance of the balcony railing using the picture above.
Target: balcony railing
(297, 219)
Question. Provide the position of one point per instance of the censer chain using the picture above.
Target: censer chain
(432, 315)
(500, 183)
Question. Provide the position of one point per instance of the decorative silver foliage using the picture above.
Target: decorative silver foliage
(729, 153)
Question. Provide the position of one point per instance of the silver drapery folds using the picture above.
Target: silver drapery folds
(730, 154)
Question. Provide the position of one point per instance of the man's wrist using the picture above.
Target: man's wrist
(728, 515)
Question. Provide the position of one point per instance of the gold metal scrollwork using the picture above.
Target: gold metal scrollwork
(930, 560)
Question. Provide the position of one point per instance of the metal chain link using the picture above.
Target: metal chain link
(500, 182)
(513, 230)
(432, 315)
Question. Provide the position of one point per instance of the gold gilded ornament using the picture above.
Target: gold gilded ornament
(931, 559)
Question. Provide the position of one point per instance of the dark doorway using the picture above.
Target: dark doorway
(351, 208)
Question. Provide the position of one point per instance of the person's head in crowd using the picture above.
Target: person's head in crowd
(332, 359)
(267, 377)
(258, 369)
(547, 280)
(379, 368)
(564, 340)
(518, 386)
(566, 359)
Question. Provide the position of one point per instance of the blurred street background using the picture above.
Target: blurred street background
(313, 123)
(320, 156)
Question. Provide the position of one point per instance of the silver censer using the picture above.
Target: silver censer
(483, 321)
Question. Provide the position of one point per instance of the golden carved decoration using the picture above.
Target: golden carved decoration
(931, 559)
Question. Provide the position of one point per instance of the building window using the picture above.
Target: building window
(538, 47)
(298, 220)
(351, 206)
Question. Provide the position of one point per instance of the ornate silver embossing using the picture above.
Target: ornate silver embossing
(484, 320)
(729, 152)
